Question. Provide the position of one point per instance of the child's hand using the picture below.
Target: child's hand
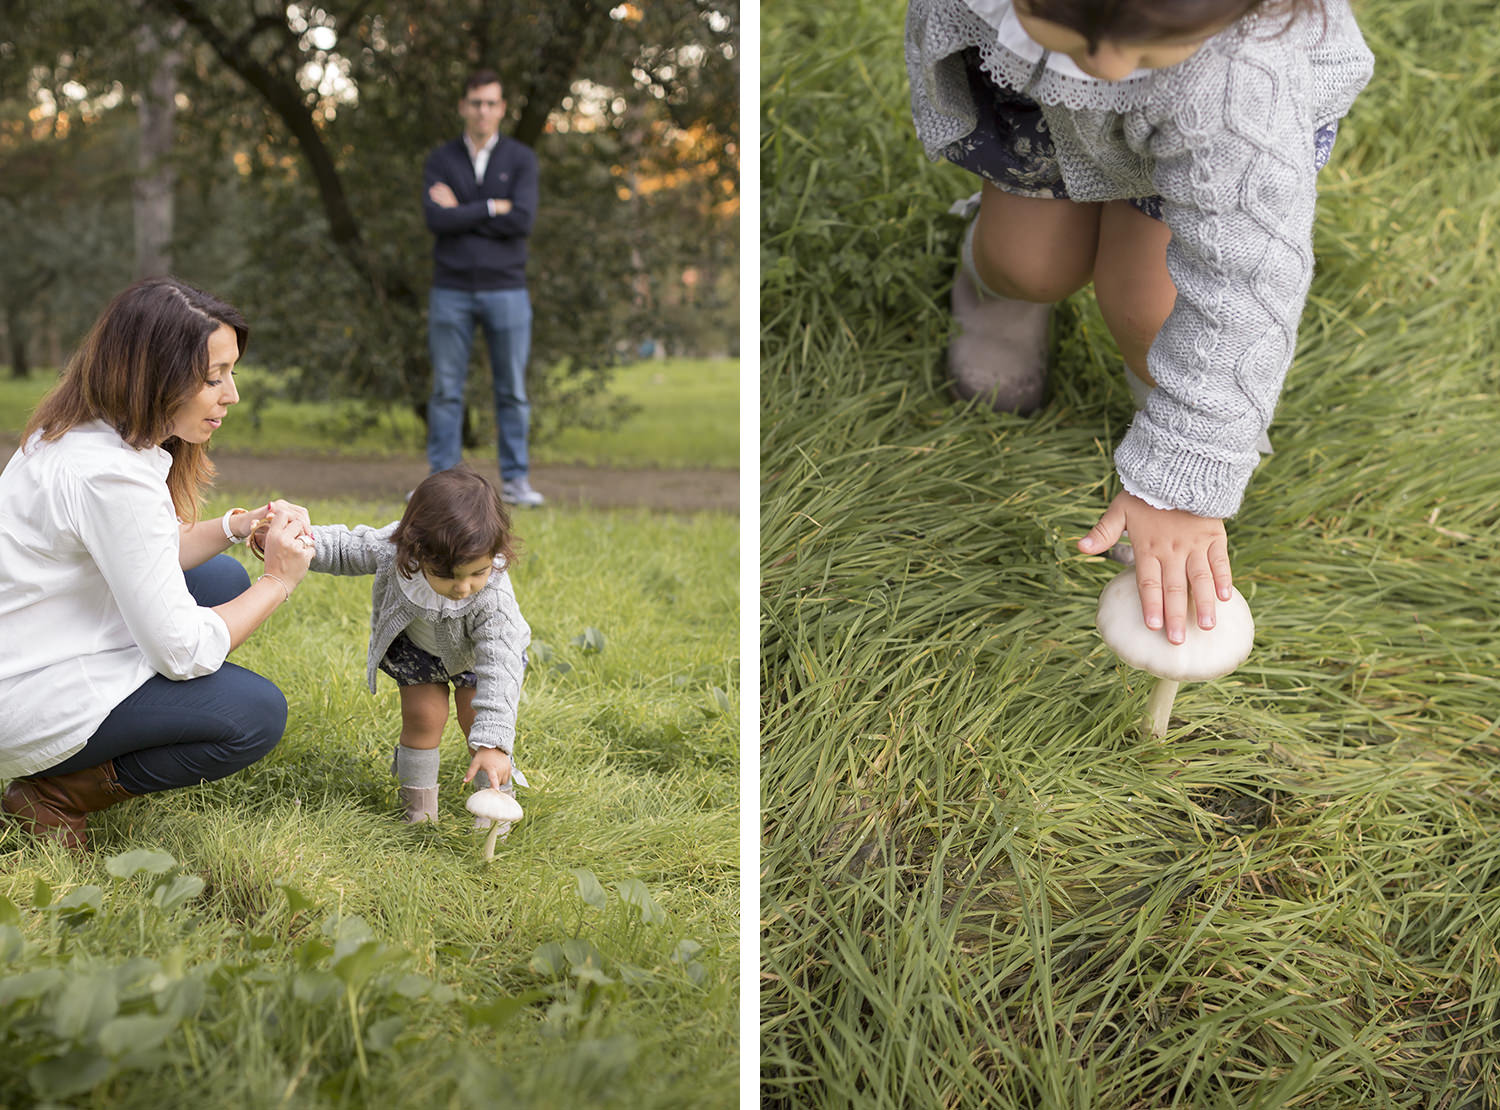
(493, 762)
(1174, 551)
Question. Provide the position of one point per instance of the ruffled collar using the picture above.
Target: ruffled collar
(1001, 15)
(1014, 59)
(420, 594)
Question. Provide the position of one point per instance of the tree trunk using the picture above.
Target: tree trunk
(579, 28)
(155, 176)
(16, 337)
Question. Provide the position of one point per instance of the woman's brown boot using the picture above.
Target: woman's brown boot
(56, 806)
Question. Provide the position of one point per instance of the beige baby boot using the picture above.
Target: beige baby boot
(998, 352)
(416, 770)
(420, 804)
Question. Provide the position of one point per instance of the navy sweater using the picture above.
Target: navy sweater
(471, 249)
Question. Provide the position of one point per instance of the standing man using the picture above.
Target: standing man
(480, 201)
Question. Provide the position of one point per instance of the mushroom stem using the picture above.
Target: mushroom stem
(1159, 707)
(489, 843)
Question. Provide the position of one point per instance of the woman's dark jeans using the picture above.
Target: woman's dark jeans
(169, 734)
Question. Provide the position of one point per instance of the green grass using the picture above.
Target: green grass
(686, 413)
(682, 413)
(981, 884)
(326, 930)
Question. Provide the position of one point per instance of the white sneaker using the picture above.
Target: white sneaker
(518, 491)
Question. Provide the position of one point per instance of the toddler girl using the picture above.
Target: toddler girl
(444, 612)
(1165, 150)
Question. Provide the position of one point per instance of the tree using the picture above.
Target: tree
(156, 177)
(64, 213)
(308, 126)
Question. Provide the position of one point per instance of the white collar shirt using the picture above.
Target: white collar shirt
(420, 630)
(480, 157)
(92, 596)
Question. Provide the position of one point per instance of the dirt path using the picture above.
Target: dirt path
(333, 476)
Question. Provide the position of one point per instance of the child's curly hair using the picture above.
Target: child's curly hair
(1147, 20)
(454, 517)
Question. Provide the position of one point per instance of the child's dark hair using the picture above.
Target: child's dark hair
(1135, 21)
(454, 517)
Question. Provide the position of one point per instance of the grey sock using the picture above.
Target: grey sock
(966, 255)
(416, 766)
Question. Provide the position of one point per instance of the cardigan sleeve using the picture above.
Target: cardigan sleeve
(473, 215)
(1237, 180)
(124, 519)
(517, 223)
(341, 550)
(467, 215)
(500, 637)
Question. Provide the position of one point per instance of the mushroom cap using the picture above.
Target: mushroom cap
(1201, 656)
(495, 804)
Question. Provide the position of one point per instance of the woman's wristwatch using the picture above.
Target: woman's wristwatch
(229, 532)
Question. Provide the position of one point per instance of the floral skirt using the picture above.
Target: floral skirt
(409, 665)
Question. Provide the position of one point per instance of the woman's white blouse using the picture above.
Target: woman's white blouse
(92, 596)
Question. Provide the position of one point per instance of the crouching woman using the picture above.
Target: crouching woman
(117, 605)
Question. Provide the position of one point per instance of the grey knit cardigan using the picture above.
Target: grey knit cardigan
(488, 636)
(1225, 138)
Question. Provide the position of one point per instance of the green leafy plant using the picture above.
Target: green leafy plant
(591, 640)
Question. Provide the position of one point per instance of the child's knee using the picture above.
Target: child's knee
(424, 709)
(1034, 249)
(1044, 277)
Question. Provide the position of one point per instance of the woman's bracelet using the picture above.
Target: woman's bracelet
(228, 532)
(284, 587)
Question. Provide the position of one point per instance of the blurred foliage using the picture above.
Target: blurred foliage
(299, 150)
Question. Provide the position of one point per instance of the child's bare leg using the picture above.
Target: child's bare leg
(463, 702)
(1034, 249)
(424, 712)
(1131, 282)
(1021, 255)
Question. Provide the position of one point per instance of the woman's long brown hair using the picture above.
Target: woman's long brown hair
(145, 356)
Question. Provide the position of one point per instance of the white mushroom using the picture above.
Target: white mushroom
(1203, 654)
(499, 807)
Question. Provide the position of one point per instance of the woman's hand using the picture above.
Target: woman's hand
(289, 546)
(493, 762)
(244, 524)
(1175, 552)
(297, 512)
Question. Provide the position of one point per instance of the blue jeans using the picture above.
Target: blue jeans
(505, 315)
(169, 734)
